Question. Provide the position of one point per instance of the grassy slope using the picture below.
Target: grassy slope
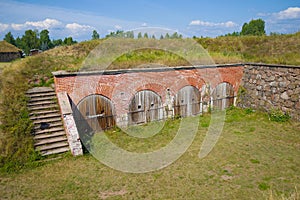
(253, 158)
(277, 49)
(36, 70)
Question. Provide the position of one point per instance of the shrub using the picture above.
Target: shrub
(277, 115)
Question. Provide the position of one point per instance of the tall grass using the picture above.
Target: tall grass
(275, 49)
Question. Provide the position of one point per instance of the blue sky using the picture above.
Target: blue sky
(200, 18)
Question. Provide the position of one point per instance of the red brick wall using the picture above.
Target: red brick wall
(120, 87)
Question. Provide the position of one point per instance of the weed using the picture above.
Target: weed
(263, 186)
(277, 115)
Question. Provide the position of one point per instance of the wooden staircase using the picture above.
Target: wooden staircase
(49, 134)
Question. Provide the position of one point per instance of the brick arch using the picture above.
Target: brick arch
(155, 87)
(83, 98)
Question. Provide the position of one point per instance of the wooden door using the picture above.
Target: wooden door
(187, 102)
(96, 111)
(145, 106)
(223, 96)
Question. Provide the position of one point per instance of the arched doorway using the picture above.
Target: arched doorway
(223, 96)
(94, 113)
(187, 101)
(145, 106)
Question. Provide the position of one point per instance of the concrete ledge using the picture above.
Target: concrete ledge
(137, 70)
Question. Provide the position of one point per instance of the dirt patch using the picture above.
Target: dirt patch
(107, 194)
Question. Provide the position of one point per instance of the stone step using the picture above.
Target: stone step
(45, 116)
(56, 145)
(55, 151)
(48, 126)
(48, 120)
(51, 140)
(50, 131)
(40, 103)
(49, 135)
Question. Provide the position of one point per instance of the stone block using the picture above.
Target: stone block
(284, 96)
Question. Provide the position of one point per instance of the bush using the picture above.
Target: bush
(277, 115)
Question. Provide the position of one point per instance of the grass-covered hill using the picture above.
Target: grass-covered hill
(16, 145)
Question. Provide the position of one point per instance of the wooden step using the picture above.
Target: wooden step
(45, 107)
(56, 145)
(39, 90)
(45, 112)
(37, 95)
(49, 135)
(52, 125)
(50, 130)
(39, 103)
(47, 98)
(46, 116)
(50, 140)
(55, 151)
(49, 120)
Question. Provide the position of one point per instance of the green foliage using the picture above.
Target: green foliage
(69, 41)
(277, 115)
(249, 111)
(32, 39)
(121, 34)
(255, 27)
(45, 40)
(263, 186)
(139, 35)
(95, 35)
(10, 38)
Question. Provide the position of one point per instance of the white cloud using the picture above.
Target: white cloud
(45, 24)
(76, 30)
(78, 27)
(144, 24)
(289, 13)
(18, 27)
(3, 27)
(227, 24)
(118, 27)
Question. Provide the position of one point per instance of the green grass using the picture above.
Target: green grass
(276, 49)
(254, 159)
(16, 144)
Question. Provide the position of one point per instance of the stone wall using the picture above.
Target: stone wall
(270, 87)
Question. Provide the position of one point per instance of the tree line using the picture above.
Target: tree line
(33, 39)
(130, 34)
(254, 27)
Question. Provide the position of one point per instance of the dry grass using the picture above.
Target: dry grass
(253, 157)
(7, 47)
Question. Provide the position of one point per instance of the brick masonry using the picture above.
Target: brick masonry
(266, 86)
(120, 86)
